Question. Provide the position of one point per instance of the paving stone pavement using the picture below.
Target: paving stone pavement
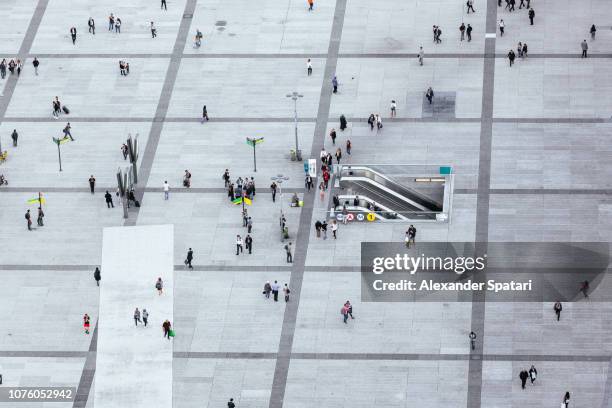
(528, 146)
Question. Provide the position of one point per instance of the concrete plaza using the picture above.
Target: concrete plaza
(529, 146)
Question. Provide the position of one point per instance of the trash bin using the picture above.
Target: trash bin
(293, 155)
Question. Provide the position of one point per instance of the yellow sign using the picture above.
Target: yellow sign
(371, 217)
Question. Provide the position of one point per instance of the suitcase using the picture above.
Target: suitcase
(137, 203)
(66, 110)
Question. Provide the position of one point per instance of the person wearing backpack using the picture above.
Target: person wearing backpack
(287, 292)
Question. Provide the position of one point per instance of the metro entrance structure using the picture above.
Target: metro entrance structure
(528, 146)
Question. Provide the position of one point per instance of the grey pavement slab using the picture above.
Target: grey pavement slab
(371, 383)
(211, 383)
(368, 86)
(556, 88)
(89, 87)
(135, 36)
(227, 312)
(14, 29)
(210, 148)
(551, 156)
(246, 88)
(393, 27)
(97, 151)
(268, 26)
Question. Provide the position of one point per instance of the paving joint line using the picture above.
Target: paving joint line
(478, 313)
(281, 369)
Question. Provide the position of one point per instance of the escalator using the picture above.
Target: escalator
(388, 206)
(363, 176)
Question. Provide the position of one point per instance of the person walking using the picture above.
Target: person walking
(585, 48)
(145, 317)
(267, 289)
(310, 5)
(238, 244)
(273, 188)
(439, 34)
(332, 135)
(411, 235)
(118, 26)
(166, 327)
(164, 6)
(308, 67)
(533, 374)
(523, 375)
(421, 55)
(205, 114)
(324, 229)
(230, 403)
(429, 94)
(153, 30)
(469, 32)
(92, 183)
(584, 288)
(462, 31)
(524, 51)
(335, 85)
(137, 317)
(593, 30)
(189, 258)
(166, 190)
(472, 337)
(344, 313)
(28, 218)
(349, 309)
(566, 399)
(289, 254)
(248, 242)
(531, 16)
(14, 136)
(348, 147)
(86, 323)
(92, 26)
(159, 285)
(511, 57)
(558, 308)
(97, 276)
(39, 218)
(35, 63)
(275, 289)
(3, 69)
(109, 200)
(66, 131)
(334, 229)
(111, 22)
(286, 291)
(342, 123)
(470, 6)
(502, 25)
(73, 35)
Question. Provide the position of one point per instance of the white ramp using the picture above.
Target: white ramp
(134, 364)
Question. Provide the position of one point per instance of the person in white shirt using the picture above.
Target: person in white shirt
(166, 190)
(393, 108)
(334, 228)
(275, 290)
(502, 25)
(238, 244)
(309, 67)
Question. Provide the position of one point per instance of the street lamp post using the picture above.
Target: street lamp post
(278, 179)
(254, 142)
(295, 96)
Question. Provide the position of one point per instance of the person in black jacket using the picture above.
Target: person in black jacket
(342, 122)
(97, 276)
(189, 258)
(531, 15)
(523, 376)
(73, 34)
